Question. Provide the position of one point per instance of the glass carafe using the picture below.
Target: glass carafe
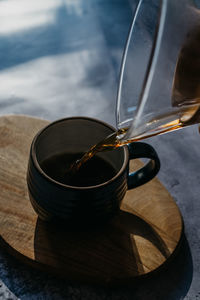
(159, 88)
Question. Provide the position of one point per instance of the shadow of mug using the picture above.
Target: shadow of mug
(171, 282)
(103, 255)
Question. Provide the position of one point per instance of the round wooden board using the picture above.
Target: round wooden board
(136, 242)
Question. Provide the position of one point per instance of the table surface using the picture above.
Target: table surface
(61, 58)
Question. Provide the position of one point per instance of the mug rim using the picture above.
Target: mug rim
(73, 187)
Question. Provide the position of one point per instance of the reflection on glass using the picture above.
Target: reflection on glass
(159, 87)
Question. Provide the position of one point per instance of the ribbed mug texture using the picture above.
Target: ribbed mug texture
(54, 201)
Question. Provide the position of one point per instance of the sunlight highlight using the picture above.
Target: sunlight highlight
(16, 15)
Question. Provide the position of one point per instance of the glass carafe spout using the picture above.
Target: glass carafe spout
(159, 88)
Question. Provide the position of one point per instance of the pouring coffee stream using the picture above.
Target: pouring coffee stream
(153, 113)
(112, 141)
(186, 90)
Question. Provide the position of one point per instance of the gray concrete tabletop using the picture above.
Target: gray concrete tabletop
(61, 58)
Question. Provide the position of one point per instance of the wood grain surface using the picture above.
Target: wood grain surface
(136, 242)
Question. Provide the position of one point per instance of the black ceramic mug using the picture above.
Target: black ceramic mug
(56, 200)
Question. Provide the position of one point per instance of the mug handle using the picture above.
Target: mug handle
(149, 171)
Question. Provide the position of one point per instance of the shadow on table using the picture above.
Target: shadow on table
(109, 256)
(170, 283)
(105, 254)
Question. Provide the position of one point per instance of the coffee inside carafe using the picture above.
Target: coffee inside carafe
(185, 102)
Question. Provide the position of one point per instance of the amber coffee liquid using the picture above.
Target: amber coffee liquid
(189, 116)
(95, 172)
(185, 101)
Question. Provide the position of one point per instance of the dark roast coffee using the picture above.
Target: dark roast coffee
(93, 172)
